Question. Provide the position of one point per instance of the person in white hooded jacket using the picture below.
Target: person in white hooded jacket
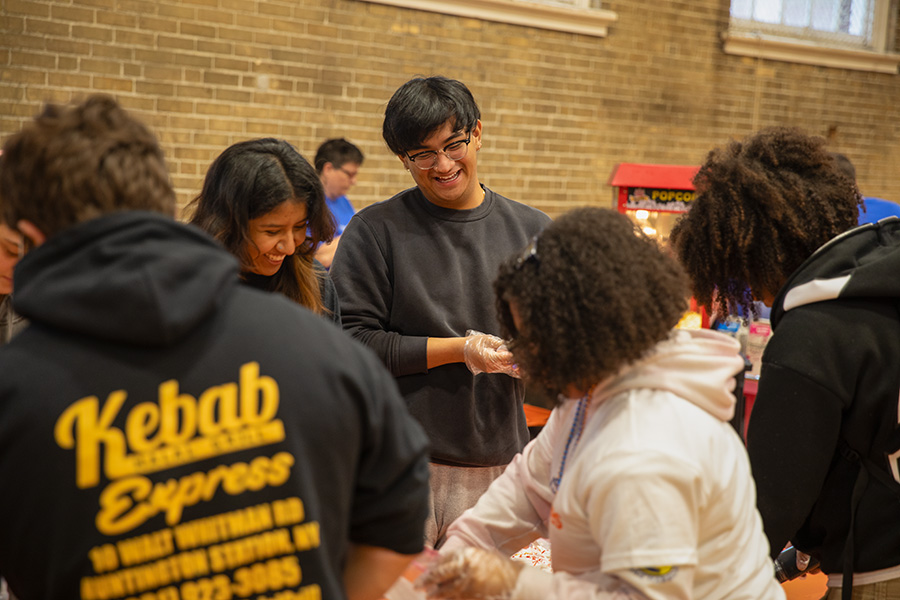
(638, 480)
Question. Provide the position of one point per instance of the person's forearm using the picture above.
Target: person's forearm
(370, 571)
(444, 351)
(325, 252)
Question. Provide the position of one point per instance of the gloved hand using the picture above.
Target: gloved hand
(486, 353)
(470, 574)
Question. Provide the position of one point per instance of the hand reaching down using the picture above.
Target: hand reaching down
(470, 574)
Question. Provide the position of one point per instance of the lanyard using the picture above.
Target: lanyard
(574, 436)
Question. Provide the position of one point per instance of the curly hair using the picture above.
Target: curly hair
(250, 179)
(591, 295)
(762, 207)
(76, 162)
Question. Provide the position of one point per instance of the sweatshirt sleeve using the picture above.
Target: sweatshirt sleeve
(791, 440)
(534, 584)
(515, 509)
(362, 275)
(391, 497)
(642, 511)
(328, 293)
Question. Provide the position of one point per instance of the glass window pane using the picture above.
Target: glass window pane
(767, 11)
(796, 13)
(858, 22)
(742, 9)
(825, 15)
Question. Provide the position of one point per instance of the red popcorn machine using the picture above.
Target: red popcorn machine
(653, 196)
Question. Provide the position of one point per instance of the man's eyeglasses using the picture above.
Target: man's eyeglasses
(351, 175)
(455, 151)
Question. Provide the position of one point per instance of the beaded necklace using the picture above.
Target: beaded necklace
(574, 436)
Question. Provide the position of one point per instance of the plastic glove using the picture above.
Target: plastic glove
(486, 353)
(470, 574)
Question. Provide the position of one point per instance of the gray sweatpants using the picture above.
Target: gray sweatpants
(453, 491)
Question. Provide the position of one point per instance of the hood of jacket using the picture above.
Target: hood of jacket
(135, 277)
(696, 365)
(860, 263)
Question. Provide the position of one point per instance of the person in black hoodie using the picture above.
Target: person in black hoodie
(166, 432)
(774, 219)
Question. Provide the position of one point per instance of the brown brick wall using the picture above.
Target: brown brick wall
(559, 109)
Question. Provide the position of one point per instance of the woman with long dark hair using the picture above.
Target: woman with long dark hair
(265, 203)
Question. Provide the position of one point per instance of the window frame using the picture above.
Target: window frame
(555, 17)
(741, 41)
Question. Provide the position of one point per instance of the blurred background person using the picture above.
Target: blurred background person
(11, 249)
(264, 202)
(874, 209)
(338, 163)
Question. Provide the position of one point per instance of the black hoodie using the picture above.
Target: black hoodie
(828, 390)
(165, 430)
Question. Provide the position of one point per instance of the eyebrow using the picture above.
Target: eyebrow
(446, 142)
(278, 225)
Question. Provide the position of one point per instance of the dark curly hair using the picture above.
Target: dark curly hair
(79, 161)
(763, 206)
(250, 179)
(592, 294)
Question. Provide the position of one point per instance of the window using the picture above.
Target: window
(839, 22)
(574, 16)
(843, 33)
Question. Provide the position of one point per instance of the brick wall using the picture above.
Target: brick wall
(559, 110)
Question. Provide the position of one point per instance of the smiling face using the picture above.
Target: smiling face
(275, 236)
(10, 248)
(449, 183)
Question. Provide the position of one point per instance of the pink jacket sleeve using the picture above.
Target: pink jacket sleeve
(515, 509)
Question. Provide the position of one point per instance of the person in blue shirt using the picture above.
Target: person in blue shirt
(875, 208)
(337, 163)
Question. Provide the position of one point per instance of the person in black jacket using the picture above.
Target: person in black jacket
(166, 432)
(774, 219)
